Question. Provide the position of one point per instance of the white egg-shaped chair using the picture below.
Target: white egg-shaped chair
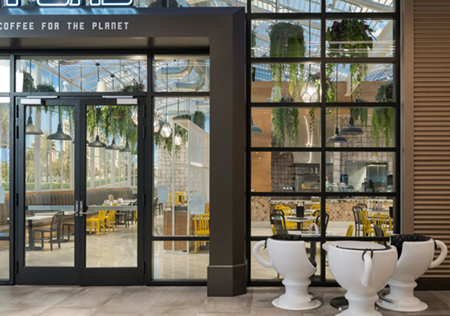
(289, 258)
(415, 257)
(363, 269)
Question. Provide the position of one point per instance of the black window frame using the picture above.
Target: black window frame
(323, 16)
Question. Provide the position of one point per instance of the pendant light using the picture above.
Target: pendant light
(166, 129)
(336, 138)
(30, 129)
(309, 91)
(59, 135)
(96, 143)
(178, 140)
(134, 115)
(256, 129)
(125, 149)
(113, 146)
(101, 85)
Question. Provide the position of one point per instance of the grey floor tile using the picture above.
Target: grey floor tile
(60, 311)
(172, 312)
(239, 305)
(91, 297)
(444, 296)
(179, 297)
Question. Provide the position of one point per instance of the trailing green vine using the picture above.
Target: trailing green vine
(285, 125)
(383, 118)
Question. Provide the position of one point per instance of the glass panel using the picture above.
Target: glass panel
(285, 172)
(190, 74)
(360, 6)
(4, 75)
(375, 210)
(371, 127)
(286, 83)
(360, 83)
(75, 74)
(111, 162)
(300, 206)
(258, 272)
(181, 156)
(206, 3)
(136, 3)
(180, 264)
(360, 38)
(286, 127)
(286, 38)
(49, 171)
(360, 172)
(285, 6)
(4, 186)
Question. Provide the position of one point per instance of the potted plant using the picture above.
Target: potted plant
(286, 40)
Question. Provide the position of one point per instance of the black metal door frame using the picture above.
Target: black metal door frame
(79, 273)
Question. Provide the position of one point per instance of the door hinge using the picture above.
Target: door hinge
(17, 199)
(17, 111)
(17, 132)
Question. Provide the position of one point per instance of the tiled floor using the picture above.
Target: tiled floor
(167, 301)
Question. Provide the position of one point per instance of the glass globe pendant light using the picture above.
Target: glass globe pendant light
(30, 129)
(166, 129)
(309, 91)
(59, 134)
(178, 140)
(134, 115)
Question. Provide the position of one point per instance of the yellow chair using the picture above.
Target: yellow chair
(315, 207)
(367, 226)
(111, 220)
(207, 208)
(350, 231)
(290, 225)
(384, 221)
(201, 228)
(97, 222)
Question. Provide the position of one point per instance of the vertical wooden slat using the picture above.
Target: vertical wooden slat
(427, 122)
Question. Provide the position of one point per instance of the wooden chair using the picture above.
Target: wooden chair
(367, 226)
(97, 222)
(201, 228)
(384, 221)
(54, 231)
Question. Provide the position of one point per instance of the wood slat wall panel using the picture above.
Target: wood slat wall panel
(431, 123)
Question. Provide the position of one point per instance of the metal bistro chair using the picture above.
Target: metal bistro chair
(278, 221)
(357, 217)
(384, 221)
(367, 226)
(54, 229)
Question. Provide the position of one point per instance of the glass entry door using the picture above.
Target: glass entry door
(79, 220)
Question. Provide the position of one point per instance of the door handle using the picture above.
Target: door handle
(77, 209)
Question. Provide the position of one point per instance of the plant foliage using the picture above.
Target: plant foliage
(383, 118)
(285, 124)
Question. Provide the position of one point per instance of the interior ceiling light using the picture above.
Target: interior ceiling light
(309, 90)
(156, 126)
(59, 135)
(30, 129)
(126, 149)
(166, 129)
(134, 115)
(351, 129)
(97, 143)
(336, 138)
(101, 85)
(178, 139)
(113, 146)
(256, 129)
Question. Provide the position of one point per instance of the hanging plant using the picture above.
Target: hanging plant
(285, 123)
(199, 119)
(287, 40)
(136, 87)
(166, 143)
(383, 118)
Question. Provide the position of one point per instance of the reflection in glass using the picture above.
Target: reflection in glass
(75, 74)
(360, 172)
(181, 201)
(49, 169)
(4, 75)
(181, 75)
(360, 83)
(285, 6)
(357, 38)
(284, 82)
(285, 172)
(293, 38)
(111, 225)
(4, 184)
(357, 6)
(286, 127)
(376, 125)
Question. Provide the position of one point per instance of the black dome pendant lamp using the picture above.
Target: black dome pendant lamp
(336, 138)
(351, 129)
(31, 129)
(59, 134)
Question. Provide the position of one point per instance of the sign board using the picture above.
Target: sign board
(74, 3)
(197, 203)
